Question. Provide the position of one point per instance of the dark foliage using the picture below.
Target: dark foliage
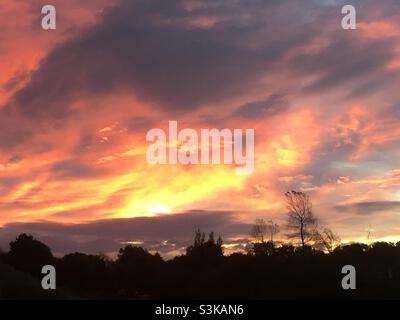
(29, 255)
(265, 272)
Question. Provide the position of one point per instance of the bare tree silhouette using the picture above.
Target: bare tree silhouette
(259, 230)
(302, 224)
(327, 240)
(262, 229)
(272, 230)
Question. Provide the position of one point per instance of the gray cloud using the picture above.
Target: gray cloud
(271, 106)
(369, 208)
(162, 233)
(151, 47)
(348, 60)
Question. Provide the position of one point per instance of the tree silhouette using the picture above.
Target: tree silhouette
(326, 239)
(264, 248)
(209, 250)
(28, 254)
(259, 230)
(283, 271)
(78, 270)
(137, 271)
(301, 222)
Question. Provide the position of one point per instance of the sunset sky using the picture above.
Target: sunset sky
(76, 104)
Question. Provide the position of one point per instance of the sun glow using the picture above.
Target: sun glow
(149, 209)
(158, 208)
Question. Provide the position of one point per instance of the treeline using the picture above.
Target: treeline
(266, 271)
(308, 266)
